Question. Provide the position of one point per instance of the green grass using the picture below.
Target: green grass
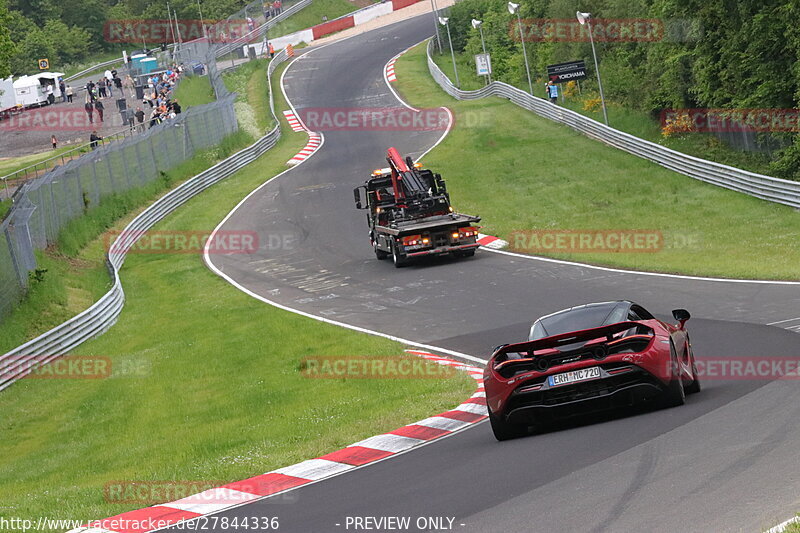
(216, 394)
(250, 108)
(312, 15)
(793, 528)
(5, 205)
(9, 165)
(522, 172)
(194, 90)
(635, 122)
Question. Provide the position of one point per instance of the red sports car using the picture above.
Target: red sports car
(585, 359)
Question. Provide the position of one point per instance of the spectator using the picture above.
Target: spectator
(154, 117)
(101, 87)
(98, 105)
(127, 83)
(62, 89)
(109, 83)
(271, 51)
(54, 141)
(552, 92)
(94, 138)
(89, 108)
(139, 119)
(176, 107)
(49, 91)
(69, 94)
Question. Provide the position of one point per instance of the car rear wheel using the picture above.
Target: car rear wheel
(505, 431)
(694, 386)
(675, 395)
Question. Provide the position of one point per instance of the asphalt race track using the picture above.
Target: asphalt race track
(726, 461)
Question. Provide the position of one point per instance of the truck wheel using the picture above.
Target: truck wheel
(380, 254)
(399, 261)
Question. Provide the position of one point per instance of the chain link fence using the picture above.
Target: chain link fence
(43, 206)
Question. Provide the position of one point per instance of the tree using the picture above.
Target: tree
(7, 46)
(35, 46)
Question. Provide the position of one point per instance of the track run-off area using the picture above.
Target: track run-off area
(726, 461)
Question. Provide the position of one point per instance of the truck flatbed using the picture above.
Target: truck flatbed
(428, 223)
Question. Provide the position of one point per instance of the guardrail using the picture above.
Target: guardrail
(102, 315)
(261, 30)
(768, 188)
(108, 63)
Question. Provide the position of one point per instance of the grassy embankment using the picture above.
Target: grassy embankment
(312, 15)
(522, 172)
(635, 122)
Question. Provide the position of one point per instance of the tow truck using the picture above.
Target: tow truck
(410, 216)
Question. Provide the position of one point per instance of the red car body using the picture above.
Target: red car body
(611, 365)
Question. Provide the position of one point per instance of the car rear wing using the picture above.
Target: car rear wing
(604, 334)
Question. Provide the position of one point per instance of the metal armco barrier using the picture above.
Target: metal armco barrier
(261, 30)
(764, 187)
(115, 61)
(102, 315)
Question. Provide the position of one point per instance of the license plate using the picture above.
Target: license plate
(575, 376)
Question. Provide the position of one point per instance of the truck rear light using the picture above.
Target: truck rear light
(455, 235)
(413, 240)
(465, 233)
